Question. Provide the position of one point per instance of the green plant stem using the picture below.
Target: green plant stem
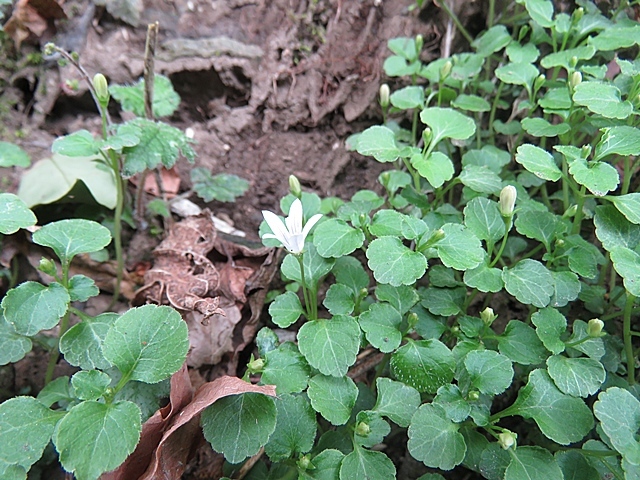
(414, 127)
(64, 326)
(508, 223)
(305, 290)
(626, 179)
(117, 226)
(627, 337)
(415, 175)
(619, 313)
(456, 21)
(492, 13)
(565, 184)
(492, 115)
(577, 219)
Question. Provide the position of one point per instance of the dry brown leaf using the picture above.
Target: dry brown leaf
(32, 17)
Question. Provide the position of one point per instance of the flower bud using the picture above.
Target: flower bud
(445, 70)
(507, 439)
(384, 95)
(427, 134)
(577, 15)
(539, 82)
(508, 197)
(412, 320)
(47, 266)
(384, 179)
(255, 365)
(363, 429)
(419, 44)
(575, 79)
(594, 328)
(102, 88)
(294, 186)
(49, 49)
(473, 395)
(571, 211)
(455, 330)
(573, 61)
(72, 84)
(305, 463)
(75, 56)
(488, 316)
(585, 151)
(523, 32)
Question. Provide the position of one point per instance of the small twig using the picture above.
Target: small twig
(149, 74)
(248, 465)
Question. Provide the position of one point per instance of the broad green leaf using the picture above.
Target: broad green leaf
(550, 326)
(599, 177)
(437, 168)
(603, 99)
(434, 439)
(238, 425)
(350, 272)
(12, 472)
(619, 415)
(394, 263)
(396, 66)
(381, 324)
(628, 205)
(579, 377)
(489, 156)
(489, 371)
(14, 214)
(295, 428)
(480, 179)
(32, 307)
(563, 58)
(539, 127)
(527, 53)
(380, 143)
(408, 97)
(444, 301)
(405, 47)
(444, 277)
(334, 238)
(286, 368)
(584, 257)
(387, 222)
(333, 397)
(26, 426)
(12, 155)
(81, 345)
(285, 309)
(614, 230)
(455, 405)
(81, 288)
(494, 462)
(537, 225)
(127, 135)
(339, 300)
(593, 347)
(375, 431)
(627, 264)
(396, 401)
(223, 187)
(518, 74)
(541, 11)
(575, 466)
(472, 103)
(58, 390)
(538, 161)
(566, 288)
(76, 144)
(530, 282)
(617, 37)
(484, 278)
(562, 418)
(160, 144)
(50, 179)
(520, 343)
(362, 463)
(315, 266)
(460, 248)
(326, 466)
(621, 140)
(94, 438)
(69, 238)
(393, 180)
(148, 343)
(266, 340)
(131, 97)
(331, 345)
(491, 41)
(447, 123)
(425, 365)
(13, 346)
(556, 100)
(90, 384)
(402, 298)
(532, 463)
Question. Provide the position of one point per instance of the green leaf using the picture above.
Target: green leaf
(408, 97)
(627, 264)
(334, 238)
(94, 438)
(538, 161)
(381, 325)
(619, 415)
(90, 385)
(621, 140)
(333, 397)
(376, 430)
(484, 278)
(13, 346)
(14, 214)
(350, 273)
(327, 466)
(402, 298)
(518, 74)
(489, 371)
(447, 123)
(460, 248)
(330, 346)
(339, 300)
(380, 143)
(550, 326)
(223, 187)
(285, 309)
(520, 343)
(584, 257)
(12, 155)
(575, 466)
(148, 343)
(530, 282)
(315, 266)
(567, 288)
(444, 301)
(541, 11)
(489, 156)
(437, 168)
(286, 368)
(396, 401)
(539, 127)
(52, 178)
(579, 377)
(127, 135)
(238, 425)
(362, 463)
(491, 41)
(532, 463)
(76, 144)
(69, 238)
(593, 347)
(160, 144)
(148, 397)
(441, 276)
(450, 398)
(527, 53)
(599, 177)
(32, 307)
(617, 37)
(131, 97)
(425, 365)
(26, 426)
(295, 428)
(603, 99)
(562, 418)
(58, 390)
(480, 179)
(563, 58)
(538, 225)
(614, 230)
(81, 288)
(394, 263)
(405, 47)
(81, 345)
(472, 103)
(434, 439)
(628, 205)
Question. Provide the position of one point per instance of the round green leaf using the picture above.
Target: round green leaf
(460, 248)
(567, 287)
(489, 371)
(628, 205)
(81, 288)
(532, 463)
(484, 278)
(339, 300)
(148, 343)
(12, 155)
(613, 229)
(579, 377)
(538, 225)
(408, 97)
(90, 384)
(619, 415)
(518, 74)
(69, 238)
(447, 123)
(455, 405)
(286, 368)
(333, 397)
(334, 238)
(538, 161)
(481, 179)
(362, 463)
(396, 401)
(378, 142)
(394, 263)
(520, 343)
(13, 346)
(437, 168)
(603, 99)
(381, 324)
(285, 309)
(425, 365)
(472, 103)
(81, 345)
(377, 428)
(627, 264)
(550, 326)
(539, 127)
(530, 282)
(295, 428)
(76, 144)
(32, 307)
(621, 140)
(14, 214)
(599, 177)
(315, 266)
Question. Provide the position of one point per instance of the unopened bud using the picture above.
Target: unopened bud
(488, 316)
(102, 88)
(523, 32)
(363, 429)
(47, 266)
(573, 61)
(575, 79)
(419, 44)
(384, 179)
(508, 197)
(594, 328)
(427, 134)
(507, 439)
(363, 292)
(384, 95)
(294, 186)
(412, 320)
(539, 82)
(585, 151)
(445, 70)
(570, 212)
(255, 365)
(72, 84)
(577, 15)
(473, 395)
(455, 330)
(305, 463)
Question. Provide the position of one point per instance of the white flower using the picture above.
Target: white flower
(290, 232)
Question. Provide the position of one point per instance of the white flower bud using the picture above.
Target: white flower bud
(384, 95)
(507, 439)
(594, 327)
(508, 197)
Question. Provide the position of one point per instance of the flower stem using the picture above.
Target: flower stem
(310, 311)
(626, 333)
(508, 223)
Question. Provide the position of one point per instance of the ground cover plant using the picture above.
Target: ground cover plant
(479, 309)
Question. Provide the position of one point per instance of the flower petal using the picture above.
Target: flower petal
(294, 220)
(309, 225)
(276, 225)
(297, 243)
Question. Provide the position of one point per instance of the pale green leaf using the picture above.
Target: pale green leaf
(621, 140)
(12, 155)
(532, 463)
(381, 324)
(334, 238)
(425, 365)
(380, 143)
(437, 168)
(550, 326)
(603, 99)
(131, 97)
(619, 415)
(579, 377)
(629, 206)
(295, 428)
(538, 161)
(69, 238)
(520, 343)
(460, 248)
(81, 345)
(362, 463)
(396, 401)
(447, 123)
(286, 368)
(32, 307)
(530, 282)
(489, 371)
(394, 263)
(14, 214)
(285, 309)
(333, 397)
(223, 187)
